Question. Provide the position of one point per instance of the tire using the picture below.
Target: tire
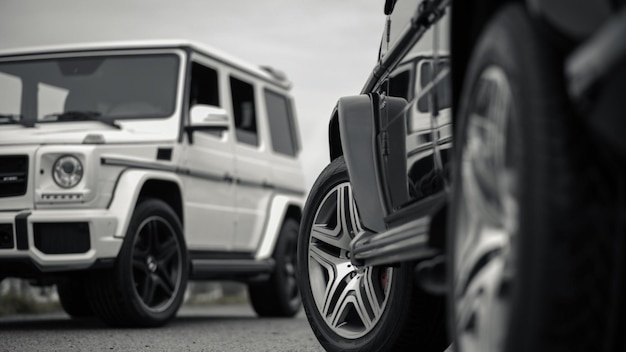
(147, 286)
(279, 296)
(517, 233)
(73, 298)
(398, 316)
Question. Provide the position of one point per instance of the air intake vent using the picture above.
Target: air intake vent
(62, 238)
(13, 175)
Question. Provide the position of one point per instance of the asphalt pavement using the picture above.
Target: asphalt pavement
(214, 328)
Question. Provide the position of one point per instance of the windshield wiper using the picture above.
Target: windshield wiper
(15, 118)
(76, 115)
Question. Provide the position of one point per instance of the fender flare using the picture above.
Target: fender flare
(126, 194)
(277, 214)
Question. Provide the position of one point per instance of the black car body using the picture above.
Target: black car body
(486, 151)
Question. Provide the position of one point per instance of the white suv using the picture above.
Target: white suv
(127, 169)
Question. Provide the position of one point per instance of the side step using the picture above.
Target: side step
(403, 243)
(231, 269)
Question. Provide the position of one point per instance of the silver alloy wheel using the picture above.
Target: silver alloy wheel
(486, 217)
(350, 299)
(157, 264)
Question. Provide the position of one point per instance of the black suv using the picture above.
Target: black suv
(476, 191)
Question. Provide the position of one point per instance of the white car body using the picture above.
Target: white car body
(231, 196)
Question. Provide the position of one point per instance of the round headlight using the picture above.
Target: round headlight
(67, 171)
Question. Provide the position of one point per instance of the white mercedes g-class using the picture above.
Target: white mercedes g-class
(127, 169)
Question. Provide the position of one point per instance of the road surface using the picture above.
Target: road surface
(215, 328)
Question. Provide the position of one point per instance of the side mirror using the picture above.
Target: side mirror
(206, 117)
(389, 5)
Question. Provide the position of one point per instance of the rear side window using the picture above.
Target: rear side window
(244, 111)
(282, 127)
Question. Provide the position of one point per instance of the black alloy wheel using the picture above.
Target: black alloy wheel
(148, 283)
(279, 296)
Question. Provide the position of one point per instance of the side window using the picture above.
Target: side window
(282, 127)
(204, 90)
(399, 85)
(444, 86)
(244, 111)
(426, 76)
(204, 86)
(444, 91)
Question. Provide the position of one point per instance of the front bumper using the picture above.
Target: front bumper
(42, 241)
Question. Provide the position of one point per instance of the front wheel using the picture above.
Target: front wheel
(146, 287)
(352, 308)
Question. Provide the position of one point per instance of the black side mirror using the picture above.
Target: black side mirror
(389, 5)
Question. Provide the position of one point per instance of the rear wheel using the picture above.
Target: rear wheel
(279, 296)
(146, 287)
(517, 233)
(351, 308)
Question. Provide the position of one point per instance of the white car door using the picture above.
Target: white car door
(252, 170)
(208, 168)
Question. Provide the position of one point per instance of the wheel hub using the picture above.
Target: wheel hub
(152, 263)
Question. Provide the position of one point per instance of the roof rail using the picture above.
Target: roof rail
(277, 74)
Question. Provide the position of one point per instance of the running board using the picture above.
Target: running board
(407, 242)
(230, 269)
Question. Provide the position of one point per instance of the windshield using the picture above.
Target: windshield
(88, 88)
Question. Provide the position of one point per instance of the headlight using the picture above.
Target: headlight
(67, 171)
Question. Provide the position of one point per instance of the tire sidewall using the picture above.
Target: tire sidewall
(73, 297)
(288, 236)
(391, 321)
(526, 62)
(124, 276)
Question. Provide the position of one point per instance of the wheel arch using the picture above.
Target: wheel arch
(135, 185)
(293, 212)
(334, 136)
(282, 207)
(165, 190)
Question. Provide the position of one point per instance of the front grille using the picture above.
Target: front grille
(62, 238)
(13, 175)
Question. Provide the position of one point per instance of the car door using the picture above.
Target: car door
(208, 169)
(252, 171)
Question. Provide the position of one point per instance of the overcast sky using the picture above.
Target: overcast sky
(326, 47)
